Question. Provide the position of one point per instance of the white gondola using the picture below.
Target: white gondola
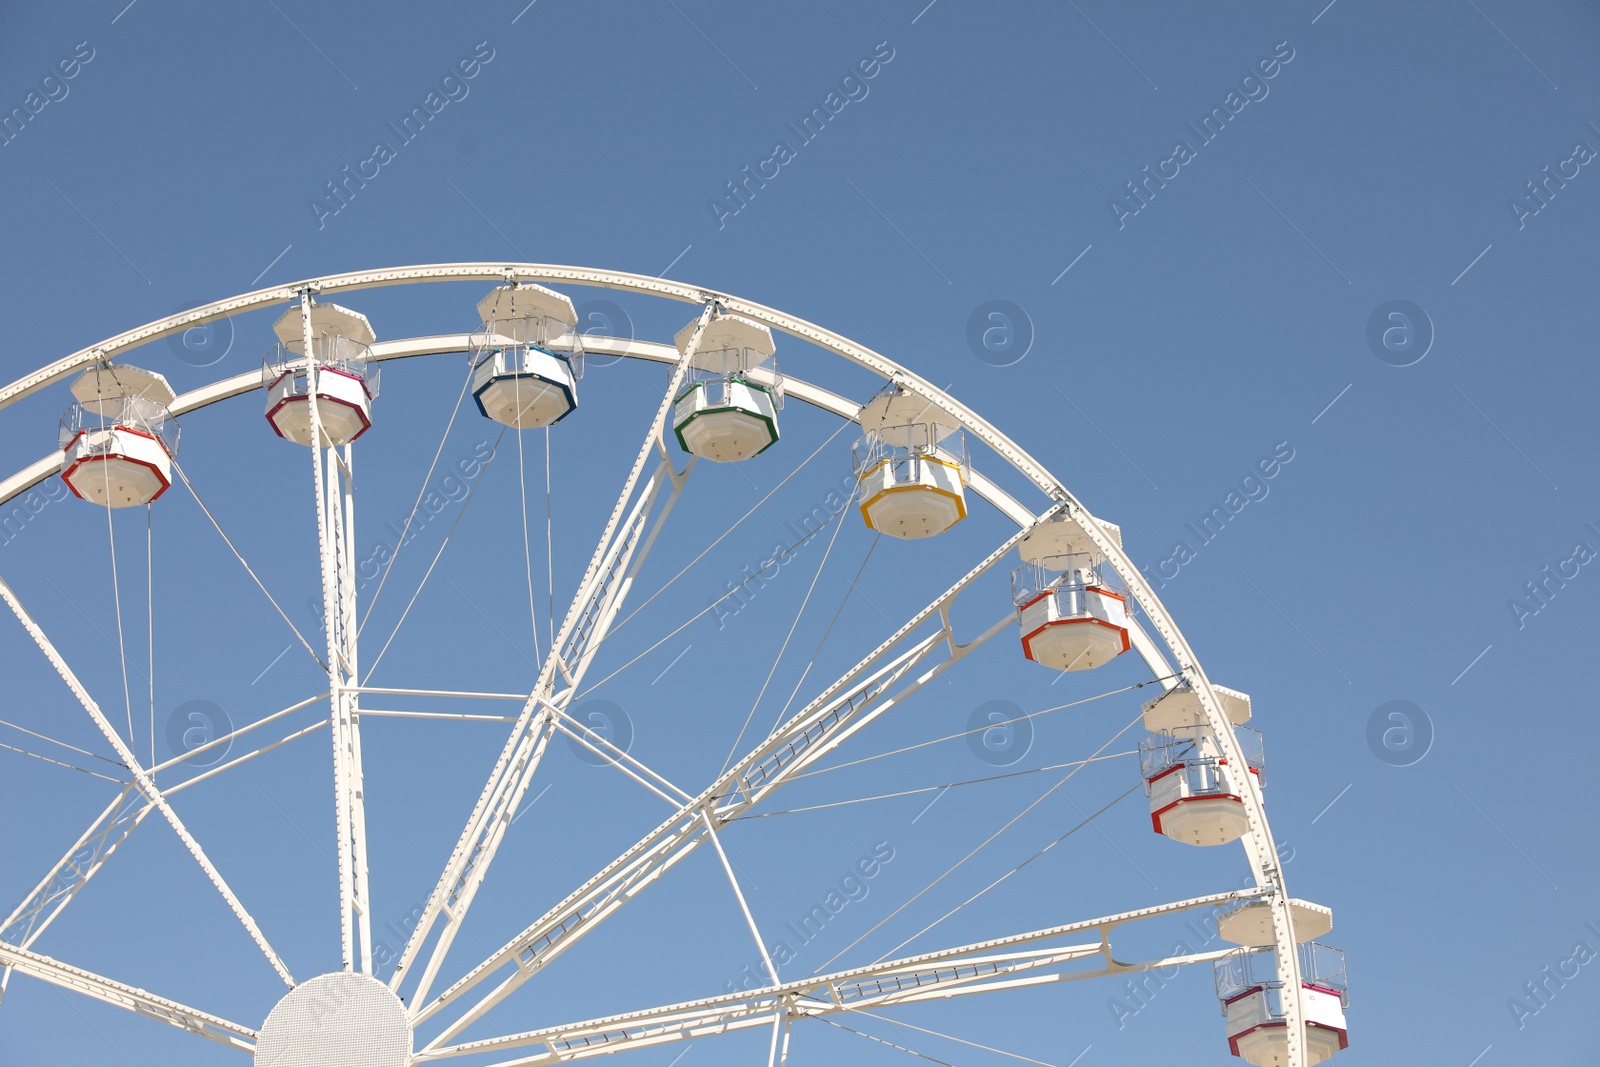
(1072, 616)
(526, 370)
(1252, 1002)
(911, 466)
(1195, 795)
(1069, 616)
(728, 407)
(346, 379)
(118, 440)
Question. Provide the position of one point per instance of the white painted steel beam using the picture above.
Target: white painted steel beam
(142, 778)
(335, 509)
(605, 585)
(73, 871)
(844, 708)
(1258, 844)
(987, 966)
(129, 997)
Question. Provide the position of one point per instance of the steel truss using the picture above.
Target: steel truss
(611, 572)
(130, 997)
(332, 476)
(143, 780)
(845, 707)
(987, 966)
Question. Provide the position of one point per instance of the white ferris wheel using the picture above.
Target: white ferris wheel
(920, 460)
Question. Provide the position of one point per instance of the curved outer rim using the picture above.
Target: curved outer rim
(1259, 846)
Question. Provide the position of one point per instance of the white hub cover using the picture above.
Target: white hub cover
(336, 1020)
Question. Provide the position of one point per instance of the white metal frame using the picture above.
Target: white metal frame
(847, 705)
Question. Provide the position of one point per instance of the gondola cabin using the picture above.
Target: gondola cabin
(1070, 617)
(526, 370)
(118, 440)
(339, 372)
(1196, 796)
(1252, 1002)
(728, 407)
(911, 466)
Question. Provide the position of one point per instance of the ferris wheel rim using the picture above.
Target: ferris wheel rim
(1258, 841)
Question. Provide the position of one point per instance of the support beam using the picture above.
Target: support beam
(612, 568)
(142, 778)
(72, 872)
(98, 843)
(335, 506)
(129, 997)
(987, 966)
(845, 707)
(1257, 844)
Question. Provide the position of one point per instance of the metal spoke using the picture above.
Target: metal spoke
(129, 997)
(332, 476)
(612, 568)
(744, 906)
(849, 704)
(619, 759)
(72, 872)
(228, 738)
(986, 966)
(197, 779)
(1157, 641)
(142, 778)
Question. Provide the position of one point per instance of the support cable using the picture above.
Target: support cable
(687, 622)
(527, 555)
(950, 1037)
(426, 478)
(980, 729)
(150, 619)
(881, 1041)
(549, 549)
(934, 788)
(728, 532)
(429, 573)
(812, 662)
(63, 744)
(111, 535)
(68, 766)
(798, 615)
(116, 592)
(983, 844)
(1086, 821)
(236, 555)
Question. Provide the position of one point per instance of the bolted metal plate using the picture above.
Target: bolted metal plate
(336, 1020)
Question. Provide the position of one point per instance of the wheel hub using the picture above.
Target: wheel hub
(336, 1020)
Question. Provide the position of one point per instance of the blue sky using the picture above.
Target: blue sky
(1172, 348)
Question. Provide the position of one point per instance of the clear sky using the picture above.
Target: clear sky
(1201, 222)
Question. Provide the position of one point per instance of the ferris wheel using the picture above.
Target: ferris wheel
(922, 465)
